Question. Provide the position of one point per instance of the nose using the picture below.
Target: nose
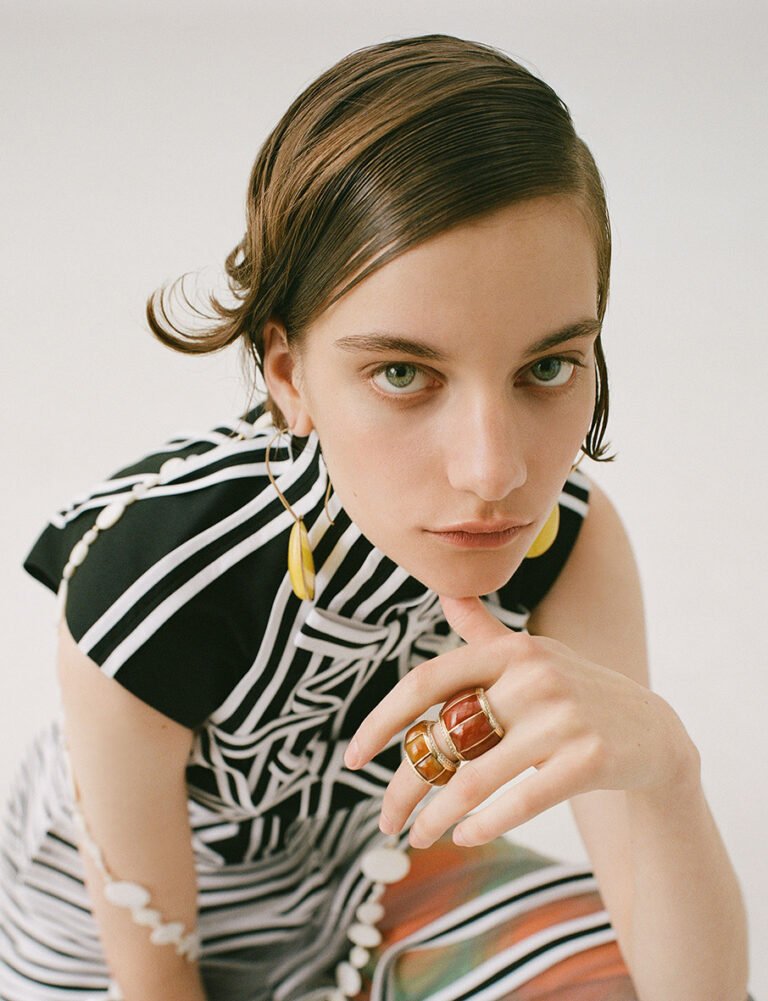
(485, 450)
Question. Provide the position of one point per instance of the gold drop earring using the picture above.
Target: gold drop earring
(549, 529)
(301, 565)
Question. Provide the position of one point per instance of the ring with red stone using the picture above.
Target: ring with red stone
(425, 757)
(468, 724)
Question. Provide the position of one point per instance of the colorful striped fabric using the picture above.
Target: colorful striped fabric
(497, 922)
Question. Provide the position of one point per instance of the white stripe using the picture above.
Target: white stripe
(258, 673)
(506, 912)
(515, 620)
(176, 557)
(223, 446)
(210, 572)
(574, 503)
(531, 883)
(339, 916)
(535, 965)
(579, 479)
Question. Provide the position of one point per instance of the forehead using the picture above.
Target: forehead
(531, 265)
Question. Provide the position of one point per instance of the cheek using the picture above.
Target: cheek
(376, 471)
(574, 417)
(555, 439)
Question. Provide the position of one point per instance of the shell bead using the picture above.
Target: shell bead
(79, 552)
(377, 892)
(147, 916)
(171, 467)
(115, 991)
(164, 934)
(358, 956)
(369, 913)
(110, 515)
(365, 935)
(189, 946)
(348, 978)
(244, 429)
(126, 894)
(385, 865)
(122, 892)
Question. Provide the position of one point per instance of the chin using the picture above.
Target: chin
(461, 582)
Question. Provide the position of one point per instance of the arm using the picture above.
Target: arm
(128, 762)
(661, 865)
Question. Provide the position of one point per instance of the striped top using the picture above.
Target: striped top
(187, 602)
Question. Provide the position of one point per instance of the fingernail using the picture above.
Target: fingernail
(418, 840)
(460, 838)
(352, 754)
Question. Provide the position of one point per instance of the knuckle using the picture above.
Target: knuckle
(391, 804)
(470, 786)
(594, 754)
(545, 680)
(524, 802)
(481, 830)
(568, 718)
(415, 683)
(423, 829)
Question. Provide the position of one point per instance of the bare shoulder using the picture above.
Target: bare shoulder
(596, 605)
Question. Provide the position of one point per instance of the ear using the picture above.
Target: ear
(281, 375)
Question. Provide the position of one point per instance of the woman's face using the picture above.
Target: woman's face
(469, 422)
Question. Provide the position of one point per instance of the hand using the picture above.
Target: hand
(582, 726)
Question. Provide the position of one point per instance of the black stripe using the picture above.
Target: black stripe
(518, 963)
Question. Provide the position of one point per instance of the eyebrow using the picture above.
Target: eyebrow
(381, 340)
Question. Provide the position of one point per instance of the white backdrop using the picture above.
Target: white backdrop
(128, 132)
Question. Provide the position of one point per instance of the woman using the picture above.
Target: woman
(397, 531)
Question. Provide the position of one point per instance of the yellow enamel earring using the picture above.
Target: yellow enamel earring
(301, 565)
(547, 535)
(549, 529)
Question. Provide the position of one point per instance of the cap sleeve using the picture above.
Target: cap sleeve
(535, 576)
(151, 602)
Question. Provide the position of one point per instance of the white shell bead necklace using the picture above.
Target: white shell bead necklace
(123, 893)
(382, 865)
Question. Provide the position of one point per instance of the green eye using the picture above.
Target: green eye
(551, 368)
(398, 375)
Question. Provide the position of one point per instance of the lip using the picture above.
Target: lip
(481, 539)
(483, 527)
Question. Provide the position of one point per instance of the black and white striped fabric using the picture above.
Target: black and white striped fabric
(186, 601)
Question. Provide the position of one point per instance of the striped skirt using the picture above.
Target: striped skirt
(497, 922)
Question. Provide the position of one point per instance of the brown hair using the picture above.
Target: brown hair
(393, 144)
